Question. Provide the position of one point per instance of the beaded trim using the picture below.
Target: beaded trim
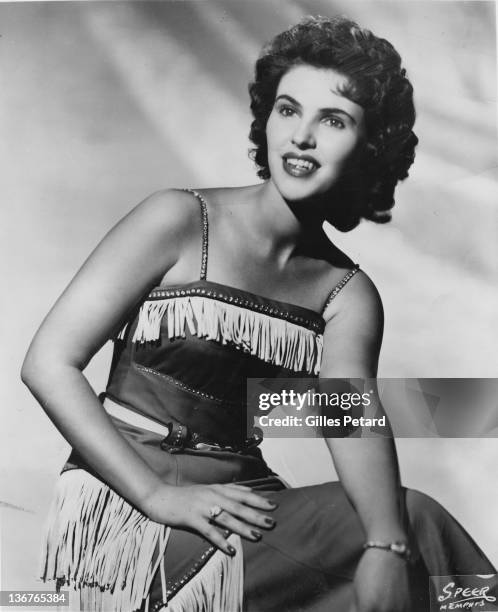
(340, 285)
(175, 587)
(178, 584)
(205, 231)
(316, 326)
(188, 388)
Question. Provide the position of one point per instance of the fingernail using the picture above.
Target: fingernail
(269, 521)
(231, 550)
(272, 504)
(257, 535)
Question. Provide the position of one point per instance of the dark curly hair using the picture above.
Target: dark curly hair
(375, 80)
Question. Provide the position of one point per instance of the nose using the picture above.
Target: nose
(303, 136)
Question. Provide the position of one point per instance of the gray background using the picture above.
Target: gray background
(103, 103)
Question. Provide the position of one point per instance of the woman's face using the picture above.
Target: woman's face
(312, 132)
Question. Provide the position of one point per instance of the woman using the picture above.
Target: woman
(164, 497)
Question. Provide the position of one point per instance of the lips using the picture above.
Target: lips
(299, 165)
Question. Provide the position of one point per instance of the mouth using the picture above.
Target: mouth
(299, 165)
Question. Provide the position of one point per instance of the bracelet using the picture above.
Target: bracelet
(398, 548)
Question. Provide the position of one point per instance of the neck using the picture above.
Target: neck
(290, 226)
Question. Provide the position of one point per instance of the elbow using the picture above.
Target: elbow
(30, 370)
(43, 366)
(37, 368)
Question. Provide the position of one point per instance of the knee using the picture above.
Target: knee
(422, 508)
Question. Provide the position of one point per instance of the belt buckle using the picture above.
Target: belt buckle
(177, 438)
(204, 446)
(180, 438)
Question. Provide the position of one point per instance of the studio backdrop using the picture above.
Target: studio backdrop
(103, 103)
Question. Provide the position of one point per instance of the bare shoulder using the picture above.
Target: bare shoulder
(357, 300)
(143, 245)
(158, 230)
(167, 210)
(364, 290)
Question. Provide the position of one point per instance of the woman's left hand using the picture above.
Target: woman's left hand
(381, 583)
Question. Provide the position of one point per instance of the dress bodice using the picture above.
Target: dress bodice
(187, 352)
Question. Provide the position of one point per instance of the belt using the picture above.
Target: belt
(133, 418)
(176, 436)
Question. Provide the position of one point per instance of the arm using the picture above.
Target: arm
(133, 257)
(128, 261)
(352, 343)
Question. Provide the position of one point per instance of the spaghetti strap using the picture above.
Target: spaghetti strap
(205, 232)
(340, 285)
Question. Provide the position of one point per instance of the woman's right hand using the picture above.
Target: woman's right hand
(188, 507)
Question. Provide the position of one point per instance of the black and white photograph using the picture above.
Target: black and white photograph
(211, 201)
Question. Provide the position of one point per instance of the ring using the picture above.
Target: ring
(214, 511)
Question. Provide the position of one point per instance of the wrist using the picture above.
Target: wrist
(398, 548)
(388, 532)
(160, 494)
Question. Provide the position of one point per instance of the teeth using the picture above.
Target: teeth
(300, 163)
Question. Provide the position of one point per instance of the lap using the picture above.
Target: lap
(307, 562)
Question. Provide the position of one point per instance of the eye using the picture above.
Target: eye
(333, 121)
(285, 110)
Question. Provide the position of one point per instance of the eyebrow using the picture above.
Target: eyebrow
(322, 110)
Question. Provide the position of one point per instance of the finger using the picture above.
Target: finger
(247, 514)
(227, 520)
(216, 537)
(248, 497)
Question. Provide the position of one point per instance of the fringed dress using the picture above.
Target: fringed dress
(177, 393)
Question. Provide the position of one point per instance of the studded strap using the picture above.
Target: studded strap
(340, 285)
(205, 232)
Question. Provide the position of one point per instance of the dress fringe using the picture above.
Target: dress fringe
(109, 552)
(272, 339)
(99, 544)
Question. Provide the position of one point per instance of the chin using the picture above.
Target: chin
(295, 189)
